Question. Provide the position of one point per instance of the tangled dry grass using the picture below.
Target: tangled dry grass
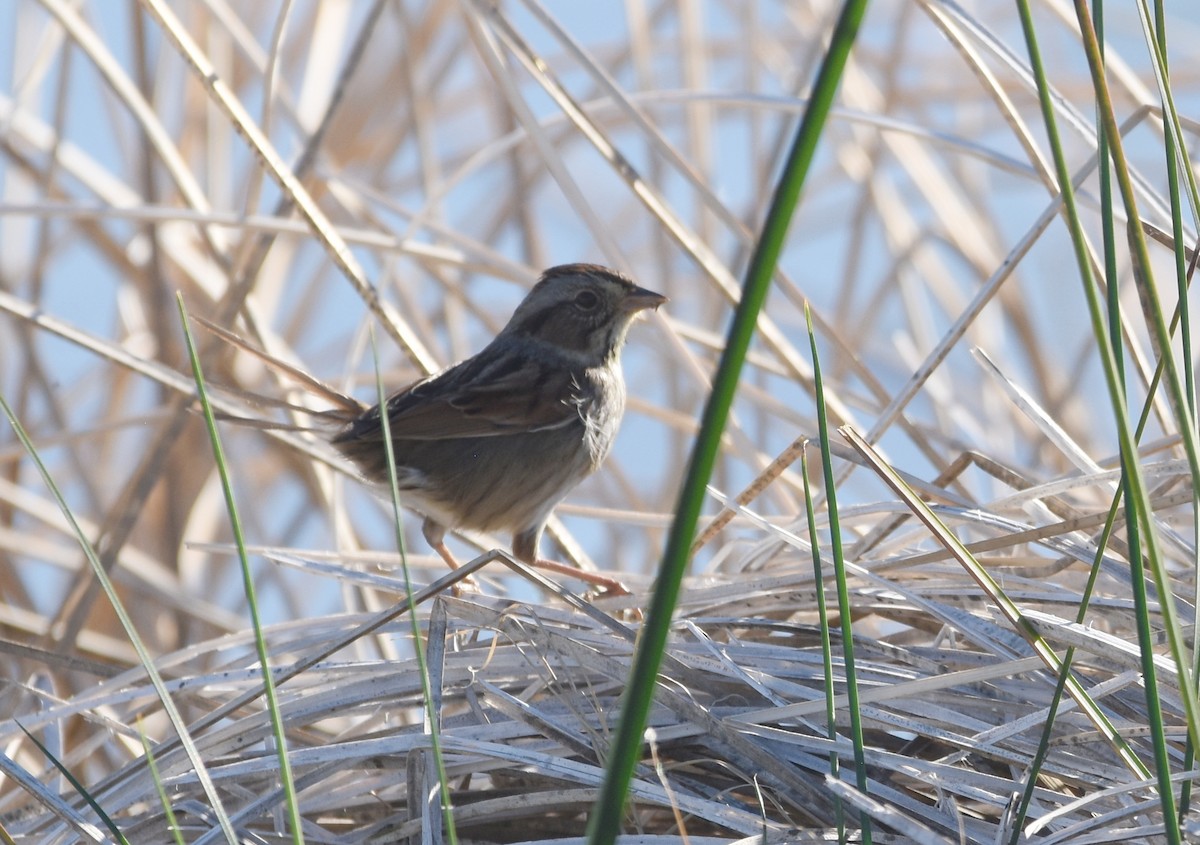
(412, 166)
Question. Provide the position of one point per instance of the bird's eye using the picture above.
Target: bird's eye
(586, 300)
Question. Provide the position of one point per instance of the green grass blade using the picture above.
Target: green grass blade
(1113, 301)
(1180, 406)
(1180, 162)
(1008, 609)
(1101, 545)
(260, 643)
(1138, 505)
(826, 642)
(77, 786)
(106, 584)
(168, 811)
(1177, 161)
(1043, 748)
(845, 609)
(431, 714)
(605, 821)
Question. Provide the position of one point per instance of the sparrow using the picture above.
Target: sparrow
(494, 442)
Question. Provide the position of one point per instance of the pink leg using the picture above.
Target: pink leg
(435, 536)
(525, 546)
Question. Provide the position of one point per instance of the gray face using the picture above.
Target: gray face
(582, 308)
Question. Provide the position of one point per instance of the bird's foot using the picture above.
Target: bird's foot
(608, 586)
(467, 584)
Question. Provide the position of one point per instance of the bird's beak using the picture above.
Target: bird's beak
(640, 299)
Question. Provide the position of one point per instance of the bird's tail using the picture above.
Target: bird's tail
(345, 408)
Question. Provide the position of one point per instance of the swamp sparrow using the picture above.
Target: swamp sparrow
(496, 441)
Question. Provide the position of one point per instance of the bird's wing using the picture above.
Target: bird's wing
(481, 397)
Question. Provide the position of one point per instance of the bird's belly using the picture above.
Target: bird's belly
(506, 482)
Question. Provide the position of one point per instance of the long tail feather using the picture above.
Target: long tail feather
(280, 425)
(346, 407)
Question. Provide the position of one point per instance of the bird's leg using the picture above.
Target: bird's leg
(525, 546)
(435, 536)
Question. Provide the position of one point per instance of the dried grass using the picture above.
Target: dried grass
(416, 166)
